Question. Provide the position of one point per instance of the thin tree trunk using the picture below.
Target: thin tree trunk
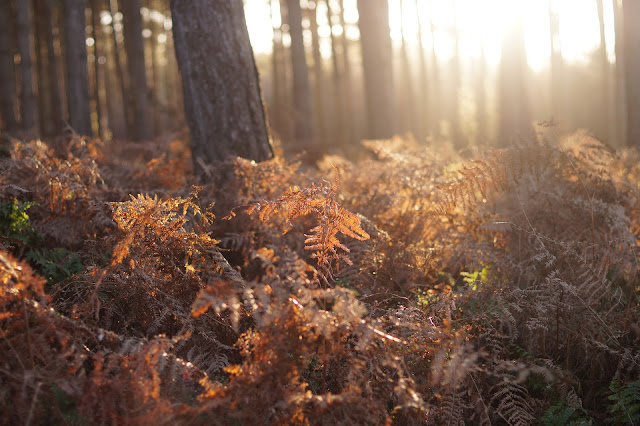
(301, 88)
(481, 97)
(631, 15)
(76, 63)
(53, 63)
(377, 66)
(423, 91)
(347, 90)
(454, 115)
(620, 84)
(7, 70)
(27, 98)
(97, 66)
(434, 117)
(45, 122)
(117, 120)
(223, 103)
(514, 109)
(409, 106)
(318, 77)
(138, 90)
(288, 126)
(154, 60)
(275, 113)
(557, 66)
(339, 134)
(113, 8)
(608, 128)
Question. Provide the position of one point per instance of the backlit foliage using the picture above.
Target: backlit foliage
(419, 288)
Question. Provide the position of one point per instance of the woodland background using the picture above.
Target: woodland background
(396, 240)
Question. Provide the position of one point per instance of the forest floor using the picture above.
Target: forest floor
(407, 286)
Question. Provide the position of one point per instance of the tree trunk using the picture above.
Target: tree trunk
(514, 110)
(53, 66)
(621, 95)
(76, 61)
(482, 117)
(27, 98)
(337, 94)
(134, 46)
(318, 75)
(378, 73)
(7, 70)
(113, 8)
(423, 91)
(433, 101)
(222, 98)
(408, 109)
(97, 66)
(301, 88)
(631, 16)
(275, 112)
(44, 113)
(346, 80)
(557, 67)
(454, 114)
(608, 126)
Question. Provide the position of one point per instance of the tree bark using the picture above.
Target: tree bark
(7, 70)
(375, 41)
(631, 18)
(301, 88)
(76, 62)
(27, 97)
(138, 90)
(222, 98)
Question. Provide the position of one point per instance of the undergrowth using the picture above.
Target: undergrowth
(409, 286)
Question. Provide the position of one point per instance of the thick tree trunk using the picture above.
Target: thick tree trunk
(631, 16)
(76, 61)
(301, 88)
(222, 98)
(378, 72)
(138, 90)
(7, 70)
(27, 98)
